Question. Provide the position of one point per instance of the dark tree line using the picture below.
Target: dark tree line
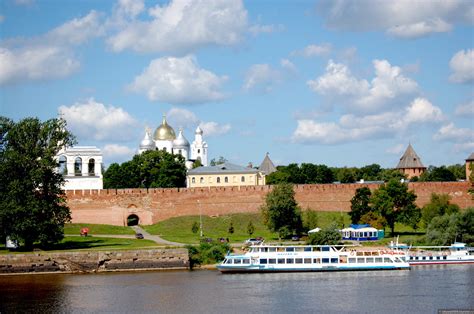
(150, 169)
(308, 173)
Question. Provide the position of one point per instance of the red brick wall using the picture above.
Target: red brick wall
(114, 206)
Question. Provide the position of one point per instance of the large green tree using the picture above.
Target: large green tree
(438, 206)
(150, 169)
(451, 227)
(394, 202)
(360, 204)
(438, 174)
(281, 212)
(32, 203)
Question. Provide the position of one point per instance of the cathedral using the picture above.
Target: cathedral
(165, 139)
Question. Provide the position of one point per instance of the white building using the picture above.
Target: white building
(165, 139)
(81, 167)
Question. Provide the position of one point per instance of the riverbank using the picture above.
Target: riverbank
(94, 261)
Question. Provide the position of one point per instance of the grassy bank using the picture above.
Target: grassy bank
(179, 229)
(97, 229)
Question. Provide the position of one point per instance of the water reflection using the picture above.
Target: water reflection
(422, 289)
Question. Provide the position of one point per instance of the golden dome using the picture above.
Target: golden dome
(164, 132)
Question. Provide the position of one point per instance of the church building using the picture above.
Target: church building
(165, 139)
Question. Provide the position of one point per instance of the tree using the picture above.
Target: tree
(277, 177)
(329, 235)
(370, 172)
(347, 175)
(150, 169)
(392, 174)
(250, 228)
(448, 228)
(310, 219)
(195, 227)
(197, 163)
(316, 174)
(360, 204)
(459, 171)
(280, 211)
(32, 203)
(438, 206)
(437, 174)
(395, 203)
(373, 219)
(231, 228)
(219, 161)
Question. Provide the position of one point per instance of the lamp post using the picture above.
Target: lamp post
(200, 218)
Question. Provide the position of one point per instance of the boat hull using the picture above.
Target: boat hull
(257, 269)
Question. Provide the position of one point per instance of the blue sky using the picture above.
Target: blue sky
(341, 83)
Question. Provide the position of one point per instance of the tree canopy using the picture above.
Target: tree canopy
(281, 212)
(360, 204)
(394, 202)
(32, 203)
(439, 174)
(150, 169)
(451, 227)
(307, 173)
(438, 206)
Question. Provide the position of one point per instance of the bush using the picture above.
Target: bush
(329, 235)
(207, 253)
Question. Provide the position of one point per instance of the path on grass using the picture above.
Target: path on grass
(155, 238)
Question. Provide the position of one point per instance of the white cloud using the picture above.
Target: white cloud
(388, 85)
(449, 132)
(314, 50)
(422, 111)
(178, 81)
(94, 120)
(265, 29)
(214, 128)
(467, 147)
(183, 26)
(420, 29)
(261, 76)
(117, 153)
(402, 18)
(396, 150)
(352, 127)
(49, 56)
(465, 110)
(187, 119)
(462, 65)
(287, 65)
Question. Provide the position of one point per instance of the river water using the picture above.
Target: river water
(423, 289)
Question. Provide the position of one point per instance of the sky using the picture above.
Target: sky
(340, 83)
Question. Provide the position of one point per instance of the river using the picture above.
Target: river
(423, 289)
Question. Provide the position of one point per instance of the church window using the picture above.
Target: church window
(164, 149)
(201, 180)
(62, 168)
(242, 179)
(78, 166)
(91, 167)
(218, 180)
(179, 151)
(193, 180)
(226, 180)
(199, 151)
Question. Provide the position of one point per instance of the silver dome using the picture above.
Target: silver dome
(147, 142)
(181, 141)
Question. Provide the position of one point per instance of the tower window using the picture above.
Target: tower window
(199, 151)
(242, 179)
(226, 180)
(193, 180)
(218, 180)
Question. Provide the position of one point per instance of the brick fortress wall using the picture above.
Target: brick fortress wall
(153, 205)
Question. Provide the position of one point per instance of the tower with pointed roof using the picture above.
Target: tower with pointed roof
(267, 166)
(469, 167)
(410, 164)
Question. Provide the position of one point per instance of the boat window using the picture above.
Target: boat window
(307, 260)
(281, 261)
(444, 257)
(298, 260)
(290, 249)
(237, 261)
(325, 249)
(263, 261)
(281, 249)
(370, 260)
(325, 260)
(316, 260)
(423, 258)
(387, 260)
(316, 249)
(264, 249)
(352, 260)
(334, 260)
(378, 260)
(431, 257)
(360, 260)
(272, 249)
(438, 257)
(307, 249)
(290, 261)
(272, 261)
(226, 261)
(299, 249)
(246, 261)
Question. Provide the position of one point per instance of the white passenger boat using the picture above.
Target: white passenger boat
(291, 258)
(457, 253)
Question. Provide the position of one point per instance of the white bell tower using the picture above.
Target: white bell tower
(199, 147)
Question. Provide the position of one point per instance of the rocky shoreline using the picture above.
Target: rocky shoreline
(94, 261)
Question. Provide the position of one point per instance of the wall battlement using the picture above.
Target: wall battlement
(113, 206)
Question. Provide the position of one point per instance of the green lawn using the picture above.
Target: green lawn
(97, 229)
(178, 229)
(95, 243)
